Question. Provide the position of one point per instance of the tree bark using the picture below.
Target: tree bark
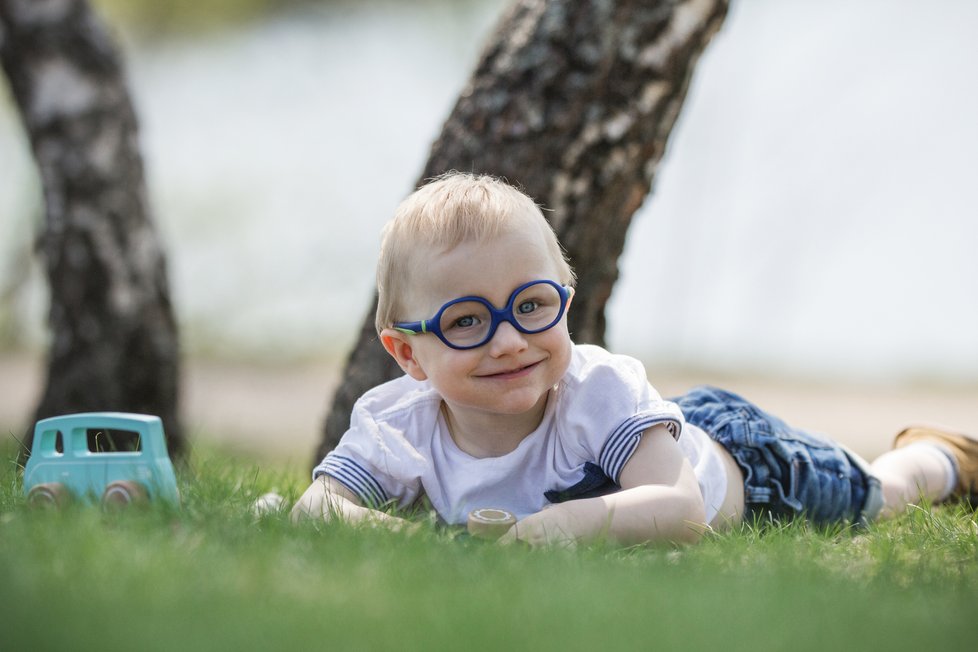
(114, 342)
(573, 101)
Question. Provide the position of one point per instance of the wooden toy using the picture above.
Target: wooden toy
(488, 523)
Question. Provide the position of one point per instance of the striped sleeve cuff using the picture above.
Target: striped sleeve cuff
(355, 478)
(624, 440)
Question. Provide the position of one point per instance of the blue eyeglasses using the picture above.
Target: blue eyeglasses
(470, 322)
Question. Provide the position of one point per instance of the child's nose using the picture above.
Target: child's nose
(506, 339)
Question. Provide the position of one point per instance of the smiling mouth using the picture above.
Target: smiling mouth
(513, 373)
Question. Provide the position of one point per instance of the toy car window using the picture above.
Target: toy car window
(113, 441)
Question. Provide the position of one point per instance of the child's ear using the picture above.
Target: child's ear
(398, 344)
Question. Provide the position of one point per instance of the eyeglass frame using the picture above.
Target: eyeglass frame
(498, 315)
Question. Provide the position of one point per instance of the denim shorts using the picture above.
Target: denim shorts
(787, 472)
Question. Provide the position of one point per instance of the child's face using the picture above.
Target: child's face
(513, 372)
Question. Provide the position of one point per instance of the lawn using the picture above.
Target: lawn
(209, 576)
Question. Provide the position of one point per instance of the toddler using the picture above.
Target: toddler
(498, 408)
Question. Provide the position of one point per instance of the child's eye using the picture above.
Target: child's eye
(467, 321)
(464, 317)
(526, 307)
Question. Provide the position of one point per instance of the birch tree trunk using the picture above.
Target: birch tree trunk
(574, 101)
(113, 336)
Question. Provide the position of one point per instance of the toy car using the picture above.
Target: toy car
(68, 460)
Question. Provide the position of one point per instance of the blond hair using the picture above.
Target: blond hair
(453, 208)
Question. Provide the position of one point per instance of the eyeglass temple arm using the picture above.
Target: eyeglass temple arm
(412, 328)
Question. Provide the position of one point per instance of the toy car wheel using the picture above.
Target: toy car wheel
(48, 494)
(123, 493)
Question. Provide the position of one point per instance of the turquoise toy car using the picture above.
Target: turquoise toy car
(117, 458)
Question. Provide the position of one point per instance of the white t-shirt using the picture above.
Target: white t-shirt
(399, 448)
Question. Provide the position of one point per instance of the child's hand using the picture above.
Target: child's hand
(552, 526)
(329, 500)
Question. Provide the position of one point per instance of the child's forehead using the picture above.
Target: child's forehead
(491, 268)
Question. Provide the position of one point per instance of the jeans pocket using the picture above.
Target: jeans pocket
(822, 485)
(803, 472)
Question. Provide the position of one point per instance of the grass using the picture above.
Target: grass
(209, 576)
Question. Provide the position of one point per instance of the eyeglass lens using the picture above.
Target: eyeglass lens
(467, 323)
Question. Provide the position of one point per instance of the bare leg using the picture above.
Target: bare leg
(912, 474)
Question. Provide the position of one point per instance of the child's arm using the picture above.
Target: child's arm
(328, 499)
(660, 500)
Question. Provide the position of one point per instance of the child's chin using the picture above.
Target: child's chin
(518, 405)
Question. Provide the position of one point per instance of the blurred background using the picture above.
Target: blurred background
(810, 240)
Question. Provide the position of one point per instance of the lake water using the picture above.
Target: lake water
(815, 215)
